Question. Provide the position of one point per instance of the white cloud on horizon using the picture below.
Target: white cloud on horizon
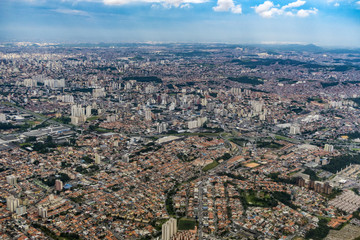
(227, 5)
(167, 3)
(269, 10)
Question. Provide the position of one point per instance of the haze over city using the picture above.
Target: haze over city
(320, 22)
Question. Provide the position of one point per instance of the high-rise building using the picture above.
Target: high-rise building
(12, 203)
(11, 179)
(88, 111)
(2, 117)
(169, 229)
(42, 211)
(329, 148)
(58, 185)
(162, 127)
(327, 188)
(148, 115)
(301, 182)
(21, 210)
(97, 158)
(294, 130)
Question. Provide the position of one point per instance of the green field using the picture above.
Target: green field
(186, 224)
(210, 166)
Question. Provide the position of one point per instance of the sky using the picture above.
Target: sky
(320, 22)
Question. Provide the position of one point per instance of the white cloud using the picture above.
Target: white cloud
(296, 4)
(358, 2)
(227, 5)
(237, 9)
(306, 13)
(169, 3)
(336, 4)
(268, 9)
(71, 12)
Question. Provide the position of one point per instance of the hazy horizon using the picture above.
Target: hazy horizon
(324, 23)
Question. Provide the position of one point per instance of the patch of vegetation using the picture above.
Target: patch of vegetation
(143, 79)
(261, 199)
(169, 200)
(320, 232)
(63, 119)
(52, 235)
(186, 224)
(338, 163)
(273, 145)
(275, 177)
(239, 141)
(50, 181)
(210, 166)
(353, 135)
(78, 199)
(312, 174)
(247, 80)
(329, 84)
(284, 198)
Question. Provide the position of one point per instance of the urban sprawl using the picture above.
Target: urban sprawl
(179, 141)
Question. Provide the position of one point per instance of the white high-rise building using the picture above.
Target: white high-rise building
(148, 115)
(2, 117)
(236, 91)
(169, 229)
(88, 111)
(294, 130)
(11, 179)
(329, 148)
(12, 203)
(162, 127)
(77, 111)
(42, 211)
(97, 158)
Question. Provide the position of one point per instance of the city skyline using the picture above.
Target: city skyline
(324, 23)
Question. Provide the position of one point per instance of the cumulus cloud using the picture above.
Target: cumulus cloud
(227, 5)
(306, 13)
(172, 3)
(268, 9)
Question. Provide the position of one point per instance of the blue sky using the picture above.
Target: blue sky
(322, 22)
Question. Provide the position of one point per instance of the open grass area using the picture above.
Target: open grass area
(93, 118)
(210, 166)
(186, 224)
(278, 137)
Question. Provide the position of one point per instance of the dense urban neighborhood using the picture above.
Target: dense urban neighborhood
(179, 141)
